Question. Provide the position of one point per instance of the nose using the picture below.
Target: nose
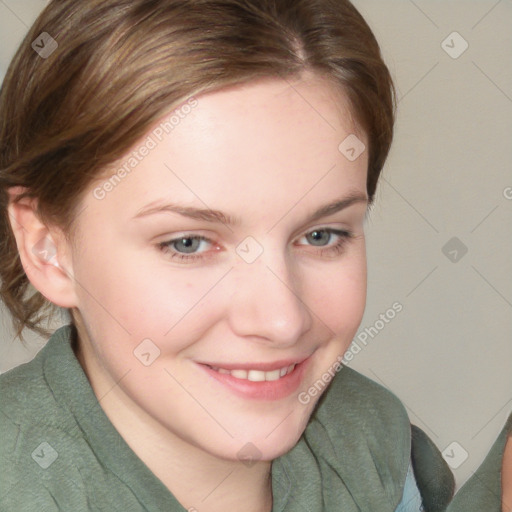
(268, 303)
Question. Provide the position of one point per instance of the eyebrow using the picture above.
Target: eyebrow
(206, 214)
(337, 205)
(217, 216)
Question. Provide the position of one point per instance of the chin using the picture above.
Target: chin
(273, 444)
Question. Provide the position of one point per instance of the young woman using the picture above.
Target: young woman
(189, 179)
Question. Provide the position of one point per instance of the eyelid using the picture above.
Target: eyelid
(336, 248)
(344, 235)
(191, 234)
(169, 241)
(333, 231)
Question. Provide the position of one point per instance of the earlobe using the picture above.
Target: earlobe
(43, 251)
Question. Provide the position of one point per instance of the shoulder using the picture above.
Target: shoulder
(358, 412)
(433, 476)
(25, 399)
(483, 491)
(360, 431)
(25, 396)
(36, 433)
(366, 420)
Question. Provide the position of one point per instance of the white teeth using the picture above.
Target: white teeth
(257, 375)
(274, 375)
(239, 374)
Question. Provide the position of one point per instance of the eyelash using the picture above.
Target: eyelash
(331, 251)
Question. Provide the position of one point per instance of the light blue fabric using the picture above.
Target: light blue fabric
(411, 498)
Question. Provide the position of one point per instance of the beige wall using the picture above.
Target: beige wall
(448, 353)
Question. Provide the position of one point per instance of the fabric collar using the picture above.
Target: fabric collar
(355, 450)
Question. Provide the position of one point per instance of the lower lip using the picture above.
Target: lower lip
(264, 390)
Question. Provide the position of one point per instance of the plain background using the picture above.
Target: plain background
(440, 234)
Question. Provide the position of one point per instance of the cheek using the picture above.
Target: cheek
(172, 304)
(125, 297)
(340, 301)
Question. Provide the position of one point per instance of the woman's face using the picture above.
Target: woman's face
(211, 294)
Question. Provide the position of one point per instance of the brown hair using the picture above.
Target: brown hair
(121, 64)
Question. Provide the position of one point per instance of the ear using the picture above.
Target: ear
(44, 251)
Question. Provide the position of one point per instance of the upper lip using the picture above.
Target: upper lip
(263, 367)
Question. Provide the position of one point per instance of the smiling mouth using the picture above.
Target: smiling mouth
(256, 375)
(260, 381)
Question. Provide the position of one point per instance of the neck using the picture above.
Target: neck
(200, 481)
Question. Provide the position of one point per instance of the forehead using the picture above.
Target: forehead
(313, 105)
(262, 143)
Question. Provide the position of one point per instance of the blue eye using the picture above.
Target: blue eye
(186, 248)
(188, 245)
(322, 237)
(319, 235)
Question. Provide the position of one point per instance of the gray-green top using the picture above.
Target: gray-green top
(59, 450)
(482, 492)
